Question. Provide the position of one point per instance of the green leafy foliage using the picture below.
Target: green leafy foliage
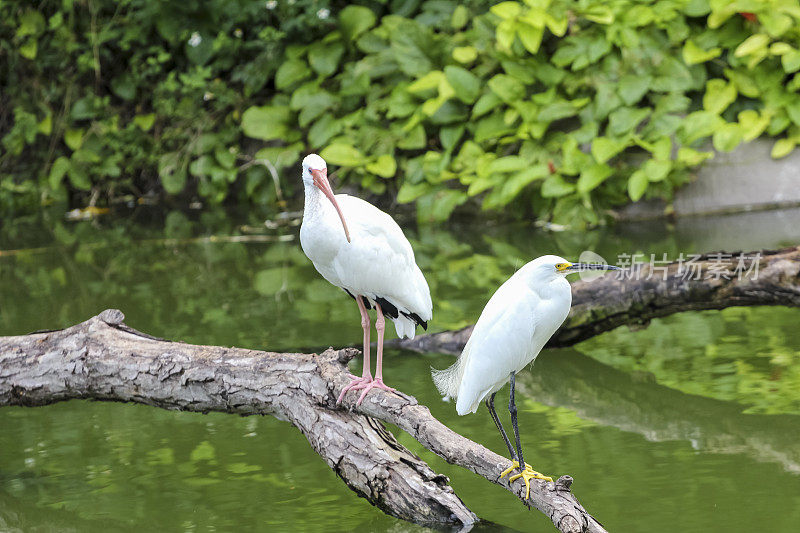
(425, 101)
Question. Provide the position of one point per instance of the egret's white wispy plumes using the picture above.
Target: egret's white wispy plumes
(513, 328)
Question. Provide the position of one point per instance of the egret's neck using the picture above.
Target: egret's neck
(554, 287)
(545, 285)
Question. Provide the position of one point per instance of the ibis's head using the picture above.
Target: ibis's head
(315, 174)
(550, 267)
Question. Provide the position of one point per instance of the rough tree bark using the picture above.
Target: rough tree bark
(608, 302)
(103, 359)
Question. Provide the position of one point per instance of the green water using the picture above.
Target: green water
(689, 425)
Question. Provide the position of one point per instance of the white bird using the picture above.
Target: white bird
(361, 249)
(513, 328)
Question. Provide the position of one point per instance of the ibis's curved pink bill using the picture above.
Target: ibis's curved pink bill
(322, 183)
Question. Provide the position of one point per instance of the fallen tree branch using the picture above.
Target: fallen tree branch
(608, 302)
(103, 359)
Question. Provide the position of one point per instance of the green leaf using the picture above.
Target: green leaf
(323, 130)
(355, 20)
(29, 49)
(509, 163)
(465, 54)
(312, 102)
(385, 166)
(530, 36)
(791, 61)
(57, 171)
(744, 82)
(700, 124)
(752, 124)
(450, 135)
(31, 22)
(466, 84)
(719, 95)
(73, 138)
(633, 87)
(202, 166)
(426, 83)
(411, 191)
(727, 137)
(573, 160)
(592, 176)
(637, 185)
(45, 126)
(693, 54)
(558, 26)
(783, 147)
(266, 123)
(344, 155)
(413, 140)
(599, 13)
(514, 185)
(507, 88)
(485, 103)
(555, 187)
(556, 111)
(625, 119)
(291, 72)
(225, 157)
(755, 44)
(693, 157)
(124, 86)
(437, 206)
(79, 178)
(656, 169)
(324, 57)
(459, 18)
(661, 148)
(506, 10)
(144, 122)
(604, 148)
(172, 172)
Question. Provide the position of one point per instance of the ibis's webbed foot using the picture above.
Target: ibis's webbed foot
(376, 383)
(355, 384)
(526, 474)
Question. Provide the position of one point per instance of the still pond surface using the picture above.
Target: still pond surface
(692, 424)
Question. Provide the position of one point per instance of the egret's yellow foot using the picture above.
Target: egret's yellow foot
(527, 474)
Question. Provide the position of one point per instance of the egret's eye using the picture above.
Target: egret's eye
(563, 266)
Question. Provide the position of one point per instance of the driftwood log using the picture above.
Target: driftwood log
(640, 294)
(103, 359)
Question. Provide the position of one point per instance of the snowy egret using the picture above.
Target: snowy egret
(513, 328)
(361, 249)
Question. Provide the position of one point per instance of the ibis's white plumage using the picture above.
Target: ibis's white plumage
(377, 263)
(513, 328)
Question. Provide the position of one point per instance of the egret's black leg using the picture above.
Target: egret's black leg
(512, 409)
(526, 472)
(490, 406)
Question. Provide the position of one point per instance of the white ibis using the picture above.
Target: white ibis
(513, 328)
(359, 248)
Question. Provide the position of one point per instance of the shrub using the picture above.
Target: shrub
(558, 108)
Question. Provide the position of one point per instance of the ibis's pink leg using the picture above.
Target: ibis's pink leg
(366, 376)
(377, 383)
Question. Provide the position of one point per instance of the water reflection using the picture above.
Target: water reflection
(661, 410)
(634, 402)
